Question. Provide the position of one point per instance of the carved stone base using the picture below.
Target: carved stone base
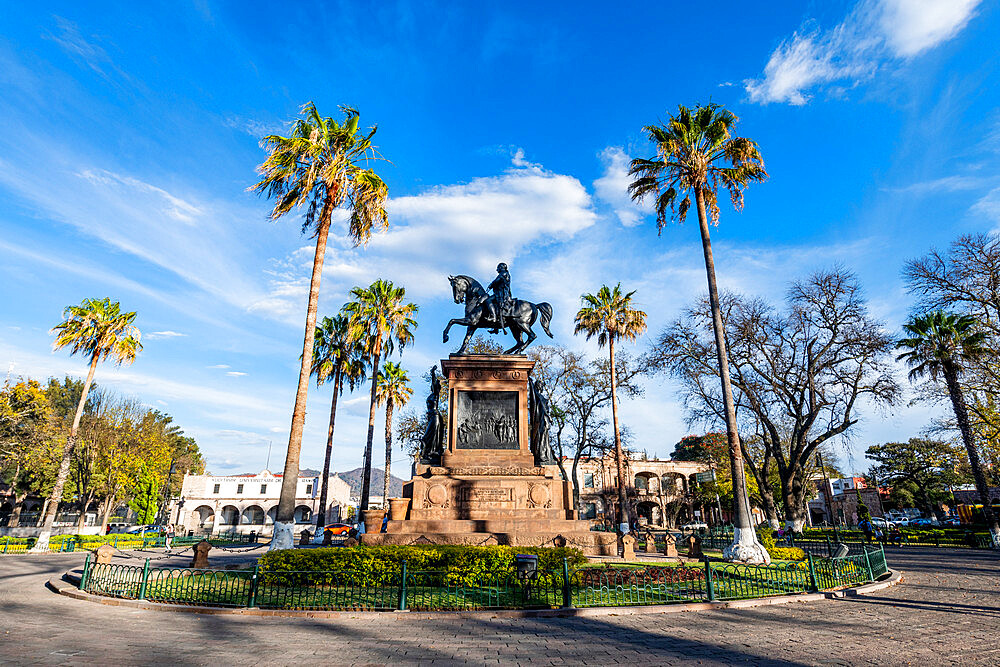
(489, 489)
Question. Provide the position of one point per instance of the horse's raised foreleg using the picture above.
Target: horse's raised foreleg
(517, 336)
(468, 336)
(462, 322)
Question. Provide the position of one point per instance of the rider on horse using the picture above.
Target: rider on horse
(502, 305)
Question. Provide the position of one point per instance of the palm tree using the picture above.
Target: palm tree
(380, 321)
(696, 153)
(319, 167)
(941, 344)
(98, 329)
(609, 316)
(338, 359)
(393, 389)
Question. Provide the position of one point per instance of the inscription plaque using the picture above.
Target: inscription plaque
(474, 495)
(486, 420)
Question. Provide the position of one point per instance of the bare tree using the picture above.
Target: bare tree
(798, 375)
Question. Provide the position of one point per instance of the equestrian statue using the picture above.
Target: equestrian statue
(497, 312)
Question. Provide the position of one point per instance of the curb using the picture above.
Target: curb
(65, 586)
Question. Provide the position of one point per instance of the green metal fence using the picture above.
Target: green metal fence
(400, 588)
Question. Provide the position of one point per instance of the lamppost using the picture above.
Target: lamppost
(828, 492)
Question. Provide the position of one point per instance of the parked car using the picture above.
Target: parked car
(924, 523)
(141, 530)
(952, 521)
(337, 528)
(882, 523)
(695, 526)
(902, 521)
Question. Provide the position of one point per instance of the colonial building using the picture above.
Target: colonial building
(836, 500)
(249, 503)
(659, 490)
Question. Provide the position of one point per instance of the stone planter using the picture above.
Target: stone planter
(372, 520)
(398, 507)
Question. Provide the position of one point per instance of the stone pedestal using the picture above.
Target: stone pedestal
(489, 488)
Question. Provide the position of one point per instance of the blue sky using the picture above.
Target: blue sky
(131, 134)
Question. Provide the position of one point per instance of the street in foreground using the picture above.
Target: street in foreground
(946, 611)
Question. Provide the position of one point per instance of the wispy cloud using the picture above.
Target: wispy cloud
(235, 374)
(164, 334)
(944, 184)
(85, 51)
(873, 34)
(257, 129)
(219, 366)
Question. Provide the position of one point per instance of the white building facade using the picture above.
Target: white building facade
(212, 504)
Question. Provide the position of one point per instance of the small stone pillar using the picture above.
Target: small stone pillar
(628, 547)
(305, 537)
(200, 560)
(694, 546)
(104, 554)
(670, 546)
(650, 542)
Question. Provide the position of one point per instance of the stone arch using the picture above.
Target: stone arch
(206, 516)
(253, 515)
(649, 513)
(271, 515)
(646, 481)
(229, 516)
(673, 484)
(303, 514)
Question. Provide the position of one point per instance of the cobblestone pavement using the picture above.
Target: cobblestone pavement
(946, 611)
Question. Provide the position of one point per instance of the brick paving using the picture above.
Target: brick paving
(946, 611)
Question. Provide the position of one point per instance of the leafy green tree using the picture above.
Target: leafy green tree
(393, 389)
(25, 424)
(319, 167)
(929, 464)
(696, 153)
(145, 496)
(381, 322)
(99, 330)
(941, 344)
(336, 359)
(610, 317)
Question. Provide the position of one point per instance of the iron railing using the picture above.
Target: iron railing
(400, 588)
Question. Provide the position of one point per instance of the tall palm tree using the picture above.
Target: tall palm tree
(696, 153)
(941, 344)
(393, 389)
(609, 315)
(380, 321)
(319, 167)
(336, 359)
(99, 330)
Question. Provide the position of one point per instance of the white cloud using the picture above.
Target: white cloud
(219, 366)
(612, 188)
(874, 33)
(913, 26)
(482, 222)
(989, 206)
(235, 374)
(164, 334)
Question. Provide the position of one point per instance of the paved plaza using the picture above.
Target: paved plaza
(946, 611)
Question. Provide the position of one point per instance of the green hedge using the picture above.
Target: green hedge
(766, 536)
(367, 566)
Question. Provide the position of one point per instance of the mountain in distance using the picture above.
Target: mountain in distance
(354, 477)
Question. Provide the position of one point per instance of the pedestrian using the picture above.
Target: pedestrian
(169, 537)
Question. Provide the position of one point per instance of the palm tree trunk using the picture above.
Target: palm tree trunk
(366, 473)
(323, 488)
(962, 417)
(388, 452)
(745, 546)
(50, 511)
(284, 521)
(619, 457)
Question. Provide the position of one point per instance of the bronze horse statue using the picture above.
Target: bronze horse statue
(478, 316)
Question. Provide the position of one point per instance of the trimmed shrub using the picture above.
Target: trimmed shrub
(787, 553)
(369, 566)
